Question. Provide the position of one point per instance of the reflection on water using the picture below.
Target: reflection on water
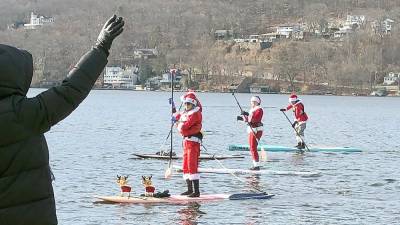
(190, 214)
(253, 182)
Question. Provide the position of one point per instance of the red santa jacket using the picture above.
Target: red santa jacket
(299, 113)
(254, 119)
(190, 123)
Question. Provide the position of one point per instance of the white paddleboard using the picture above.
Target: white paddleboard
(244, 171)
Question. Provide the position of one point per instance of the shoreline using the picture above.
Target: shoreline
(224, 92)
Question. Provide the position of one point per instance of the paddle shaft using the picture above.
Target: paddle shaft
(222, 165)
(297, 133)
(172, 126)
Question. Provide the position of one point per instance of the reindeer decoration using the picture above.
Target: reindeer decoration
(123, 183)
(149, 188)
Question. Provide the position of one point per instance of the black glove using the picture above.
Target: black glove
(111, 29)
(294, 124)
(244, 113)
(282, 110)
(239, 118)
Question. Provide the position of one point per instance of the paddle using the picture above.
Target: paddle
(168, 171)
(297, 133)
(263, 153)
(234, 175)
(172, 125)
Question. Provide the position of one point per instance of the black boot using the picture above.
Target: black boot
(196, 192)
(298, 145)
(255, 168)
(189, 187)
(302, 145)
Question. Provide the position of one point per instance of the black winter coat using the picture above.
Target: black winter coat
(26, 193)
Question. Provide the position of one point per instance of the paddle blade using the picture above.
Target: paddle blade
(168, 172)
(263, 155)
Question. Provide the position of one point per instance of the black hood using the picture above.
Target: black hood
(16, 71)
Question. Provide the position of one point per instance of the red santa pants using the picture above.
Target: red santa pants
(253, 145)
(191, 153)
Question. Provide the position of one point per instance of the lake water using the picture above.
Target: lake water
(95, 143)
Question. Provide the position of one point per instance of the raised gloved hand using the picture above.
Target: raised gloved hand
(282, 110)
(171, 102)
(173, 119)
(239, 118)
(294, 124)
(244, 113)
(111, 29)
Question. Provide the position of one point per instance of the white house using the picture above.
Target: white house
(37, 21)
(355, 20)
(284, 30)
(382, 27)
(387, 25)
(118, 77)
(391, 78)
(254, 38)
(145, 53)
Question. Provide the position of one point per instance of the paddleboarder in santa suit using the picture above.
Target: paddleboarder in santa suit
(254, 128)
(300, 119)
(189, 124)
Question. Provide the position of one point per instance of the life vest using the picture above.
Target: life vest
(254, 119)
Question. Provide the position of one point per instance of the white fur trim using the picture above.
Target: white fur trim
(186, 176)
(195, 176)
(195, 109)
(256, 163)
(190, 100)
(255, 99)
(292, 99)
(255, 129)
(194, 139)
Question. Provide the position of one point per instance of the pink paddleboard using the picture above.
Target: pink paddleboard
(172, 199)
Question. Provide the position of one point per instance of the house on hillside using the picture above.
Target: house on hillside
(269, 36)
(165, 82)
(145, 53)
(120, 77)
(254, 38)
(355, 21)
(257, 88)
(382, 27)
(391, 78)
(341, 33)
(285, 31)
(37, 20)
(223, 34)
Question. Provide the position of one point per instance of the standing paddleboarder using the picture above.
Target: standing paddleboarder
(189, 124)
(253, 119)
(300, 119)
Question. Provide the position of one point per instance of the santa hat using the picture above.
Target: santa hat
(293, 98)
(190, 98)
(256, 99)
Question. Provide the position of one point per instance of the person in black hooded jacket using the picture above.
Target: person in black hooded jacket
(26, 192)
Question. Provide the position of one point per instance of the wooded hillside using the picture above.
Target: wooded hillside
(183, 33)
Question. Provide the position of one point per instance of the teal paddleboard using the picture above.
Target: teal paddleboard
(276, 148)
